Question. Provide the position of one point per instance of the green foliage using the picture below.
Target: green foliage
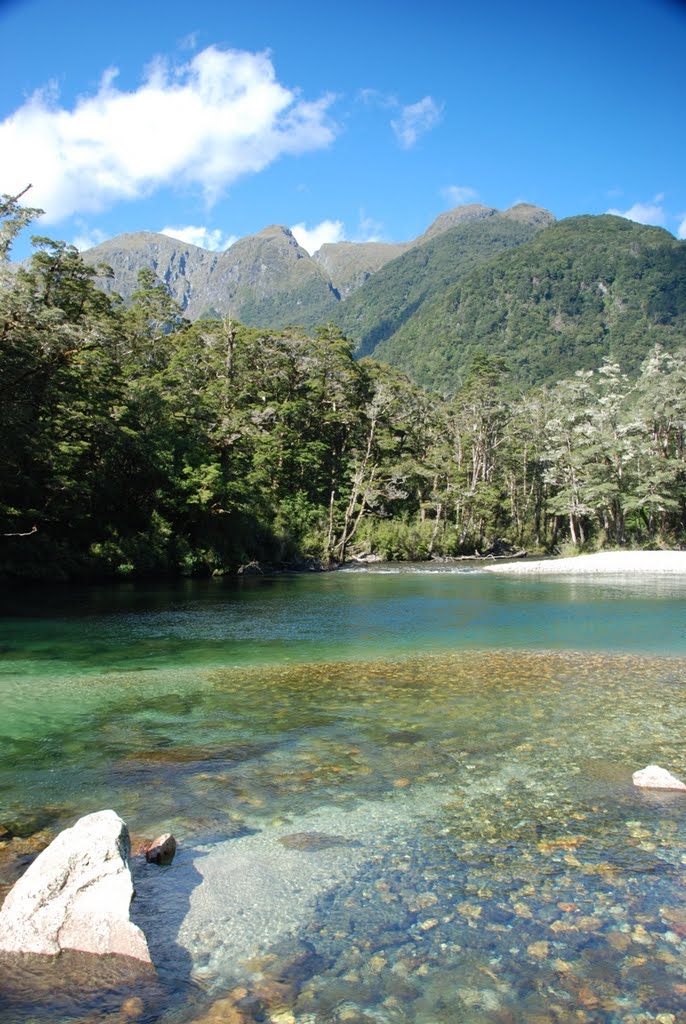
(584, 289)
(308, 303)
(13, 219)
(397, 540)
(138, 444)
(405, 285)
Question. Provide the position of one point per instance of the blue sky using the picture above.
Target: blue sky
(349, 121)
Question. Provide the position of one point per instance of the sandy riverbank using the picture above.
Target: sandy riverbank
(659, 562)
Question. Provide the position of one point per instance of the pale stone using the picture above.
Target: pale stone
(654, 777)
(76, 895)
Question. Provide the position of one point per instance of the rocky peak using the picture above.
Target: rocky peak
(276, 230)
(278, 233)
(458, 215)
(527, 213)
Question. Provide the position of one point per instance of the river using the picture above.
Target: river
(400, 794)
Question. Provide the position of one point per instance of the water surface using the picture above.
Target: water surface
(399, 795)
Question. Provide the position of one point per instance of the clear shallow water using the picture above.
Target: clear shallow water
(351, 614)
(451, 751)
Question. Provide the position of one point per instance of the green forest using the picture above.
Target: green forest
(136, 443)
(581, 289)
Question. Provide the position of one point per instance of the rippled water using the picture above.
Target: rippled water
(399, 796)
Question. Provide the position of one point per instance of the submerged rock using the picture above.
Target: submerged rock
(654, 777)
(76, 895)
(312, 841)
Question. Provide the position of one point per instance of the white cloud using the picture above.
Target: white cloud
(458, 195)
(415, 120)
(202, 124)
(314, 238)
(681, 232)
(651, 212)
(376, 98)
(368, 229)
(88, 237)
(214, 240)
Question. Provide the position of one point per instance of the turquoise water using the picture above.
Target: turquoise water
(440, 759)
(351, 614)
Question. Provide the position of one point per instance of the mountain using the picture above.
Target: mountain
(265, 279)
(583, 289)
(268, 280)
(549, 297)
(456, 242)
(458, 215)
(184, 268)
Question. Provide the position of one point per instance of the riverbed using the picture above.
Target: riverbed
(400, 794)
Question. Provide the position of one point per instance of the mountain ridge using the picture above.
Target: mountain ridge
(266, 279)
(549, 297)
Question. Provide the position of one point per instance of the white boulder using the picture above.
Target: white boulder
(654, 777)
(76, 895)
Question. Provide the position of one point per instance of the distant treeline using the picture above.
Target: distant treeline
(136, 443)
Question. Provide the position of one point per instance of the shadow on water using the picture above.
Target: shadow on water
(161, 903)
(78, 985)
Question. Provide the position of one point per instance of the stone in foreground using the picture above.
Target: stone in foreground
(161, 850)
(654, 777)
(76, 895)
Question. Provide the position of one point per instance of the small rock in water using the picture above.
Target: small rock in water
(161, 850)
(283, 1017)
(222, 1011)
(538, 950)
(654, 777)
(132, 1008)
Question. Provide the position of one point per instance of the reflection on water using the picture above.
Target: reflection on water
(438, 836)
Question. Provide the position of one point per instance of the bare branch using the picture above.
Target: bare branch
(34, 529)
(11, 200)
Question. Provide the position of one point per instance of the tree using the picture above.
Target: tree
(13, 219)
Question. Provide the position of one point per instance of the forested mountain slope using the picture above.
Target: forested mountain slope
(584, 289)
(457, 241)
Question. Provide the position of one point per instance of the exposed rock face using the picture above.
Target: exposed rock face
(349, 264)
(262, 279)
(184, 268)
(654, 777)
(76, 895)
(458, 215)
